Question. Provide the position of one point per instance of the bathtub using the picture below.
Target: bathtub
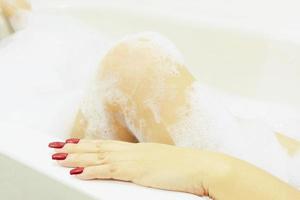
(239, 59)
(242, 58)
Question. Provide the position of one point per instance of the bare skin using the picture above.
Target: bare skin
(139, 77)
(157, 165)
(188, 170)
(291, 145)
(169, 167)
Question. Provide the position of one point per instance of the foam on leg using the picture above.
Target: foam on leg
(147, 87)
(145, 77)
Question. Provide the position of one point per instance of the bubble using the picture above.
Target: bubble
(208, 124)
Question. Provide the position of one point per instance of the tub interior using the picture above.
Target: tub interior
(232, 59)
(249, 63)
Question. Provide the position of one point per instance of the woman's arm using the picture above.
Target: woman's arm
(172, 168)
(245, 181)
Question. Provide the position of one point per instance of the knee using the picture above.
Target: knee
(141, 58)
(147, 72)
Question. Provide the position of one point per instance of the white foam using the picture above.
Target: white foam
(156, 50)
(37, 79)
(293, 170)
(209, 124)
(210, 121)
(279, 117)
(93, 110)
(21, 19)
(44, 71)
(165, 51)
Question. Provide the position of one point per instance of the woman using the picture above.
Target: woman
(144, 93)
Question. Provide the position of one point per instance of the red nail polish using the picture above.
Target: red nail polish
(56, 145)
(59, 156)
(77, 170)
(73, 140)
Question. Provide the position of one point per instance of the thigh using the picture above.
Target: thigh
(144, 84)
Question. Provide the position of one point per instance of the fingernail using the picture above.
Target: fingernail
(56, 145)
(77, 170)
(59, 156)
(72, 140)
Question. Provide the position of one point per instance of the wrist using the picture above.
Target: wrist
(222, 176)
(211, 172)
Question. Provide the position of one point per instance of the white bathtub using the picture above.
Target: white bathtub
(251, 63)
(261, 63)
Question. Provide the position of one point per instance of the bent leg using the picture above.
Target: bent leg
(142, 85)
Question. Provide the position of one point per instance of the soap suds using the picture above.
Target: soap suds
(293, 170)
(154, 50)
(209, 124)
(162, 46)
(44, 71)
(39, 80)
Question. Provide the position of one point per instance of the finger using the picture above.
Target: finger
(93, 141)
(59, 145)
(76, 141)
(116, 171)
(97, 172)
(82, 160)
(93, 146)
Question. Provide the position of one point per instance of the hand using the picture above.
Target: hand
(148, 164)
(172, 168)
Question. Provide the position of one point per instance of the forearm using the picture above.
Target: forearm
(244, 181)
(173, 168)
